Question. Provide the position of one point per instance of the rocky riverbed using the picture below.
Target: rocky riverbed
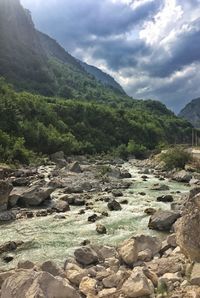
(68, 208)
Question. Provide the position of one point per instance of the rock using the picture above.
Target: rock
(93, 217)
(117, 193)
(5, 189)
(114, 172)
(8, 258)
(171, 240)
(52, 268)
(124, 202)
(182, 176)
(188, 226)
(61, 206)
(101, 229)
(163, 220)
(25, 265)
(114, 279)
(5, 275)
(86, 256)
(143, 247)
(7, 216)
(137, 285)
(114, 206)
(21, 181)
(10, 246)
(109, 293)
(160, 187)
(128, 251)
(75, 274)
(88, 286)
(125, 174)
(34, 196)
(31, 284)
(195, 275)
(165, 198)
(150, 211)
(75, 167)
(59, 158)
(59, 216)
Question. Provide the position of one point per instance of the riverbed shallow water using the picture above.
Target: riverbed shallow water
(48, 238)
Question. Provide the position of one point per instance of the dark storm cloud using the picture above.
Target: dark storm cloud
(184, 51)
(107, 33)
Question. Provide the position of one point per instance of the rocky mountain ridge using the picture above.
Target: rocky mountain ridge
(191, 112)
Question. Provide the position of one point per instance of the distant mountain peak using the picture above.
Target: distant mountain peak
(191, 112)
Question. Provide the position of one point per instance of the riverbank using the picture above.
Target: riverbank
(58, 208)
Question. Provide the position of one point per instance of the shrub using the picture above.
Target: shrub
(138, 150)
(176, 158)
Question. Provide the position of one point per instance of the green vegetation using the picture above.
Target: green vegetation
(32, 125)
(176, 158)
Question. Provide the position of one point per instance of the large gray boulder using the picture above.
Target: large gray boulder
(188, 227)
(32, 196)
(32, 284)
(182, 176)
(86, 256)
(5, 189)
(163, 220)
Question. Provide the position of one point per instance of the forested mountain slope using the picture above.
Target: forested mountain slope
(191, 112)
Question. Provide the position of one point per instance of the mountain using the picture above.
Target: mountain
(57, 103)
(191, 112)
(102, 77)
(33, 61)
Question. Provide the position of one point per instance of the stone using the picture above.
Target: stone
(117, 193)
(52, 268)
(75, 167)
(5, 189)
(31, 284)
(7, 216)
(182, 176)
(163, 220)
(165, 198)
(86, 256)
(114, 172)
(8, 258)
(93, 217)
(88, 286)
(25, 265)
(137, 285)
(75, 274)
(150, 211)
(5, 275)
(108, 293)
(187, 228)
(113, 280)
(34, 195)
(101, 229)
(61, 206)
(128, 251)
(114, 206)
(195, 275)
(10, 246)
(125, 174)
(160, 187)
(171, 240)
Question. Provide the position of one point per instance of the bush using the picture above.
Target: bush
(138, 150)
(176, 158)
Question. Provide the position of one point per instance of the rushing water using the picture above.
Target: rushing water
(48, 238)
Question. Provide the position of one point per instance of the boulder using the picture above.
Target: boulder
(114, 172)
(160, 187)
(88, 286)
(137, 285)
(165, 198)
(31, 284)
(182, 176)
(61, 206)
(163, 220)
(195, 275)
(114, 206)
(34, 196)
(59, 158)
(10, 246)
(25, 265)
(188, 226)
(125, 174)
(75, 167)
(75, 274)
(101, 229)
(117, 193)
(150, 211)
(52, 268)
(86, 256)
(7, 216)
(5, 189)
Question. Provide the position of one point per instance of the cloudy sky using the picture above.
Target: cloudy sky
(151, 47)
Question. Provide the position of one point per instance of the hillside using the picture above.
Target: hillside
(191, 112)
(102, 77)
